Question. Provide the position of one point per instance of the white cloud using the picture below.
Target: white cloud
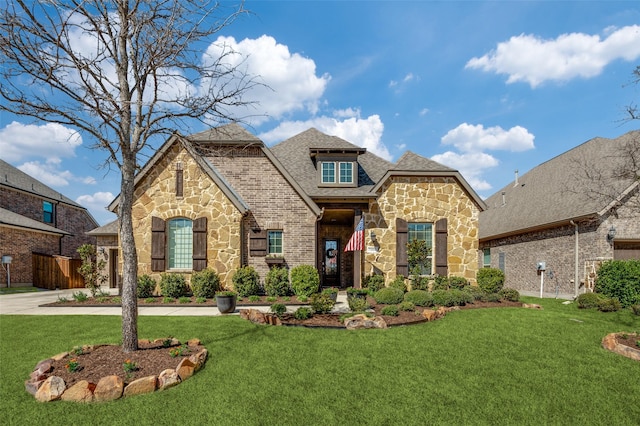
(52, 141)
(399, 85)
(470, 165)
(470, 138)
(97, 201)
(290, 79)
(50, 174)
(423, 112)
(366, 133)
(531, 59)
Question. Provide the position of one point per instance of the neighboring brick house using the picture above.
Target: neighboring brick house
(223, 199)
(107, 249)
(552, 214)
(36, 219)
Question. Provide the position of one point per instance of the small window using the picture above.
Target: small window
(274, 242)
(346, 172)
(328, 172)
(47, 209)
(422, 232)
(486, 258)
(180, 244)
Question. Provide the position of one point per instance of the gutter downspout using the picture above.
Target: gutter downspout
(576, 281)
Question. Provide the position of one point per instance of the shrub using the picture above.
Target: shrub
(475, 292)
(271, 298)
(276, 283)
(303, 313)
(609, 305)
(205, 283)
(620, 279)
(373, 282)
(440, 283)
(458, 283)
(201, 300)
(79, 296)
(510, 294)
(173, 285)
(246, 281)
(358, 304)
(460, 298)
(278, 309)
(419, 282)
(389, 296)
(305, 280)
(635, 309)
(419, 297)
(490, 280)
(184, 299)
(254, 298)
(407, 306)
(168, 299)
(443, 298)
(398, 283)
(589, 300)
(391, 311)
(491, 297)
(322, 303)
(146, 286)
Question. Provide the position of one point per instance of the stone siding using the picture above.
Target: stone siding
(155, 195)
(423, 199)
(20, 244)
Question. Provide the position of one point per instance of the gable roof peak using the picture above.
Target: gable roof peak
(412, 161)
(232, 132)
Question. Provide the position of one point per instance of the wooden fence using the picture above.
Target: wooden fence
(53, 272)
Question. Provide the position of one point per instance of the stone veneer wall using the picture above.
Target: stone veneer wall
(423, 199)
(155, 195)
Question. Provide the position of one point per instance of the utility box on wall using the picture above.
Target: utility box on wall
(541, 266)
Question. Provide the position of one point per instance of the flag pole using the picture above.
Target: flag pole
(357, 257)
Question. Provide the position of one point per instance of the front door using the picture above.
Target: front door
(331, 263)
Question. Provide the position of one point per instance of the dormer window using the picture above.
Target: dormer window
(338, 173)
(346, 172)
(328, 172)
(337, 167)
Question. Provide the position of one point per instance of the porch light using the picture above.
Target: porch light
(611, 234)
(372, 235)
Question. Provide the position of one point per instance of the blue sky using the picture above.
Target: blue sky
(483, 87)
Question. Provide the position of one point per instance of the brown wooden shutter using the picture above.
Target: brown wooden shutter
(179, 183)
(441, 248)
(257, 242)
(157, 244)
(402, 267)
(199, 243)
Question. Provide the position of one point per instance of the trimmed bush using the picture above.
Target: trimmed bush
(146, 286)
(460, 298)
(609, 305)
(305, 280)
(620, 279)
(440, 283)
(246, 281)
(589, 300)
(205, 283)
(321, 303)
(391, 311)
(491, 297)
(358, 304)
(278, 309)
(635, 309)
(276, 283)
(458, 283)
(389, 296)
(407, 306)
(373, 282)
(443, 298)
(419, 282)
(173, 285)
(510, 294)
(398, 283)
(303, 313)
(490, 280)
(419, 298)
(475, 292)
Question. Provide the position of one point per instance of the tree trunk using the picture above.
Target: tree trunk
(129, 261)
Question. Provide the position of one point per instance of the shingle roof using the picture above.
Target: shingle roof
(10, 218)
(14, 178)
(110, 228)
(414, 162)
(228, 133)
(549, 194)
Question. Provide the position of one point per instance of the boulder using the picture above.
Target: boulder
(60, 356)
(193, 342)
(143, 385)
(51, 389)
(168, 378)
(80, 392)
(43, 366)
(199, 359)
(531, 306)
(360, 321)
(429, 314)
(258, 317)
(186, 368)
(33, 386)
(109, 388)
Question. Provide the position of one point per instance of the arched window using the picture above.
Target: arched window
(180, 244)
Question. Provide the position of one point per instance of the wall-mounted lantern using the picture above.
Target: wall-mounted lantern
(611, 234)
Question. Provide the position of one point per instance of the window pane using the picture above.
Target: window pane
(328, 172)
(47, 209)
(422, 232)
(486, 257)
(180, 245)
(346, 172)
(274, 239)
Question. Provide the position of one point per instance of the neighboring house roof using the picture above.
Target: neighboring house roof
(14, 178)
(15, 220)
(109, 229)
(550, 195)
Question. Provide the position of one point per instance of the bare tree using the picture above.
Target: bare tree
(124, 73)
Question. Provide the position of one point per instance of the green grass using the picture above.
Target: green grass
(14, 290)
(490, 366)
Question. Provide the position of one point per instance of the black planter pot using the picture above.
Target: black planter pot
(226, 304)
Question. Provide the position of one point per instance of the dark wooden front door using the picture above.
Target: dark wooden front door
(331, 263)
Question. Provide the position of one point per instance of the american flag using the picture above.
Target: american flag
(357, 239)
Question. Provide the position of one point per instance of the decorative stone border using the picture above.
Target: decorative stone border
(609, 343)
(47, 388)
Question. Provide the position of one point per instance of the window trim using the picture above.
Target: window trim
(486, 255)
(411, 236)
(46, 212)
(269, 245)
(337, 181)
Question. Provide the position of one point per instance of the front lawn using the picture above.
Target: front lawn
(486, 366)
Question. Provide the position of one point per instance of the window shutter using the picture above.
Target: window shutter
(402, 267)
(258, 242)
(179, 183)
(441, 247)
(157, 244)
(199, 244)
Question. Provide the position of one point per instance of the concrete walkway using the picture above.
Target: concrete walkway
(29, 304)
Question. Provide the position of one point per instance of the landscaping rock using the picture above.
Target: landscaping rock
(80, 392)
(33, 386)
(360, 321)
(609, 343)
(199, 359)
(168, 378)
(531, 306)
(193, 342)
(258, 317)
(51, 389)
(60, 356)
(109, 388)
(430, 314)
(186, 368)
(144, 385)
(43, 367)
